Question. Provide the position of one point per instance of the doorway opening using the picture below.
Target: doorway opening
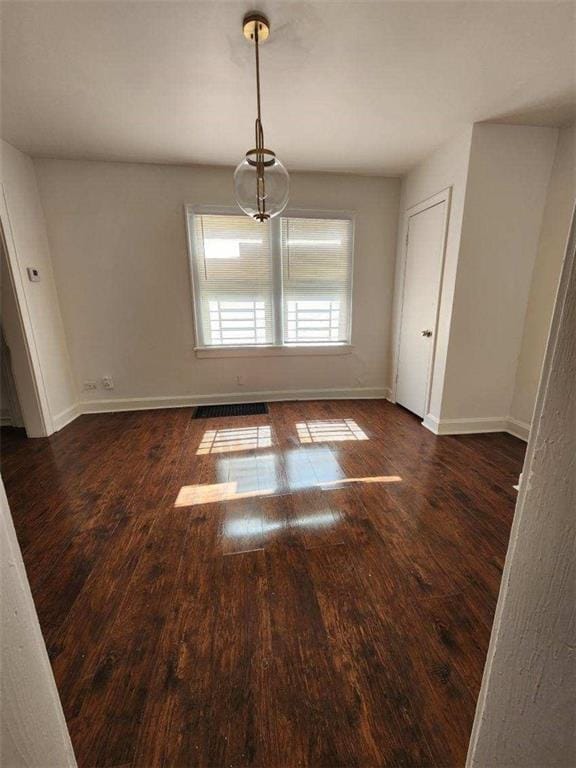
(24, 400)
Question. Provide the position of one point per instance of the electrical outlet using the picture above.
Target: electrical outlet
(107, 382)
(240, 381)
(88, 385)
(33, 274)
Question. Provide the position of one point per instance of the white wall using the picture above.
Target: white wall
(506, 192)
(30, 248)
(499, 176)
(526, 713)
(447, 167)
(555, 226)
(33, 732)
(118, 238)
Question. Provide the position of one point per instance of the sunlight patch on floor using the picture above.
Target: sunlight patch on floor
(235, 439)
(192, 495)
(329, 430)
(259, 526)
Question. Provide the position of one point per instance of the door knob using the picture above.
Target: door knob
(427, 333)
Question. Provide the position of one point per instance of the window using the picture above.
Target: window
(283, 283)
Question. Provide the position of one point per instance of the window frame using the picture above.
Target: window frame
(277, 348)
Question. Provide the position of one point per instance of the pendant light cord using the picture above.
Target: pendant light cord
(260, 182)
(257, 70)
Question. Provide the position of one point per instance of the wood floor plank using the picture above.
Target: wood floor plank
(311, 587)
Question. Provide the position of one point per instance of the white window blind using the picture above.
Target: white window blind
(316, 280)
(233, 281)
(284, 282)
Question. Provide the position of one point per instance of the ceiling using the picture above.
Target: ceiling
(368, 87)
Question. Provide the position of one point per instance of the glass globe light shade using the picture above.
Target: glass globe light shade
(276, 186)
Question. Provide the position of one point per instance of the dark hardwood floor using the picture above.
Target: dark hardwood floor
(314, 587)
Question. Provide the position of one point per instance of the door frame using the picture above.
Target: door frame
(40, 404)
(445, 195)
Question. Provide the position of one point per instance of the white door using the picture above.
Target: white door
(420, 301)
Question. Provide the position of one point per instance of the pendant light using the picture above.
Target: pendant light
(261, 183)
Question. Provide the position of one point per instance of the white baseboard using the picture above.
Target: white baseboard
(518, 428)
(464, 426)
(188, 401)
(476, 425)
(66, 416)
(515, 427)
(431, 423)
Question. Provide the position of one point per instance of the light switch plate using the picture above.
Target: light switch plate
(33, 274)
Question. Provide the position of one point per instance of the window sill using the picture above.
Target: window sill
(287, 351)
